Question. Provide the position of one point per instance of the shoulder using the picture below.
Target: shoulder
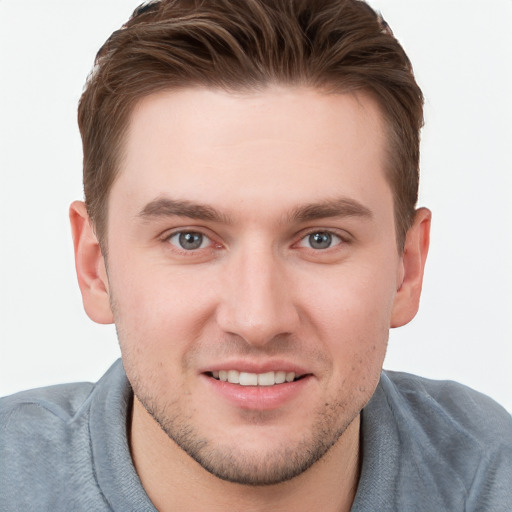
(58, 403)
(41, 423)
(454, 440)
(456, 407)
(40, 431)
(61, 404)
(47, 451)
(43, 412)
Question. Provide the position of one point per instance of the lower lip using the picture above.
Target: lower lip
(261, 398)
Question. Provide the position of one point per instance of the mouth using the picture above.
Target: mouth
(266, 379)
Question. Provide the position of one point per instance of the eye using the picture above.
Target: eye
(319, 240)
(189, 240)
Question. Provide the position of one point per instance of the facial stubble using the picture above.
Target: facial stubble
(231, 462)
(240, 465)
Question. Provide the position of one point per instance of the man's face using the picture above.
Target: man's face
(252, 236)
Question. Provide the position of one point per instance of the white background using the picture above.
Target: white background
(461, 51)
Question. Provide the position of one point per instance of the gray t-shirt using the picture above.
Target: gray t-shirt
(426, 445)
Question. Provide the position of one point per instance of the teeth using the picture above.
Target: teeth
(254, 379)
(234, 377)
(266, 379)
(248, 379)
(280, 377)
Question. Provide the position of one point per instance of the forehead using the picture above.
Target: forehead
(280, 145)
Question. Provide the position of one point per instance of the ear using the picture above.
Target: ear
(412, 265)
(90, 266)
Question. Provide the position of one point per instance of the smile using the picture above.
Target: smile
(254, 379)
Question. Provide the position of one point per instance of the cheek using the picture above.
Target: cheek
(155, 310)
(352, 320)
(156, 327)
(356, 298)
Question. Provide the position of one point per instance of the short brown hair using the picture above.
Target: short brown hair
(334, 45)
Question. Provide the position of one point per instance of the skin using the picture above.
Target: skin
(255, 175)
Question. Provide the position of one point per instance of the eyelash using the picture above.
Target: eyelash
(324, 232)
(334, 238)
(190, 252)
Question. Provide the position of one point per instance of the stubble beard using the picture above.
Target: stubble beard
(235, 464)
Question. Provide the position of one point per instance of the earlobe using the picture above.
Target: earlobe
(90, 266)
(407, 298)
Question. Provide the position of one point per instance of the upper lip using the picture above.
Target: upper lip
(257, 367)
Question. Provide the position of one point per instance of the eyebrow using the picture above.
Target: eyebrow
(166, 207)
(342, 207)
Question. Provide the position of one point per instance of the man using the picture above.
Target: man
(251, 175)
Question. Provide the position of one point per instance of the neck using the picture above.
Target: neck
(174, 481)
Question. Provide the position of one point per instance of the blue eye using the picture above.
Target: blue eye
(319, 240)
(189, 240)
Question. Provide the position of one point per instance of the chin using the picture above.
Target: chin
(255, 453)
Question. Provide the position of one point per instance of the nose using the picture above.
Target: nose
(258, 300)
